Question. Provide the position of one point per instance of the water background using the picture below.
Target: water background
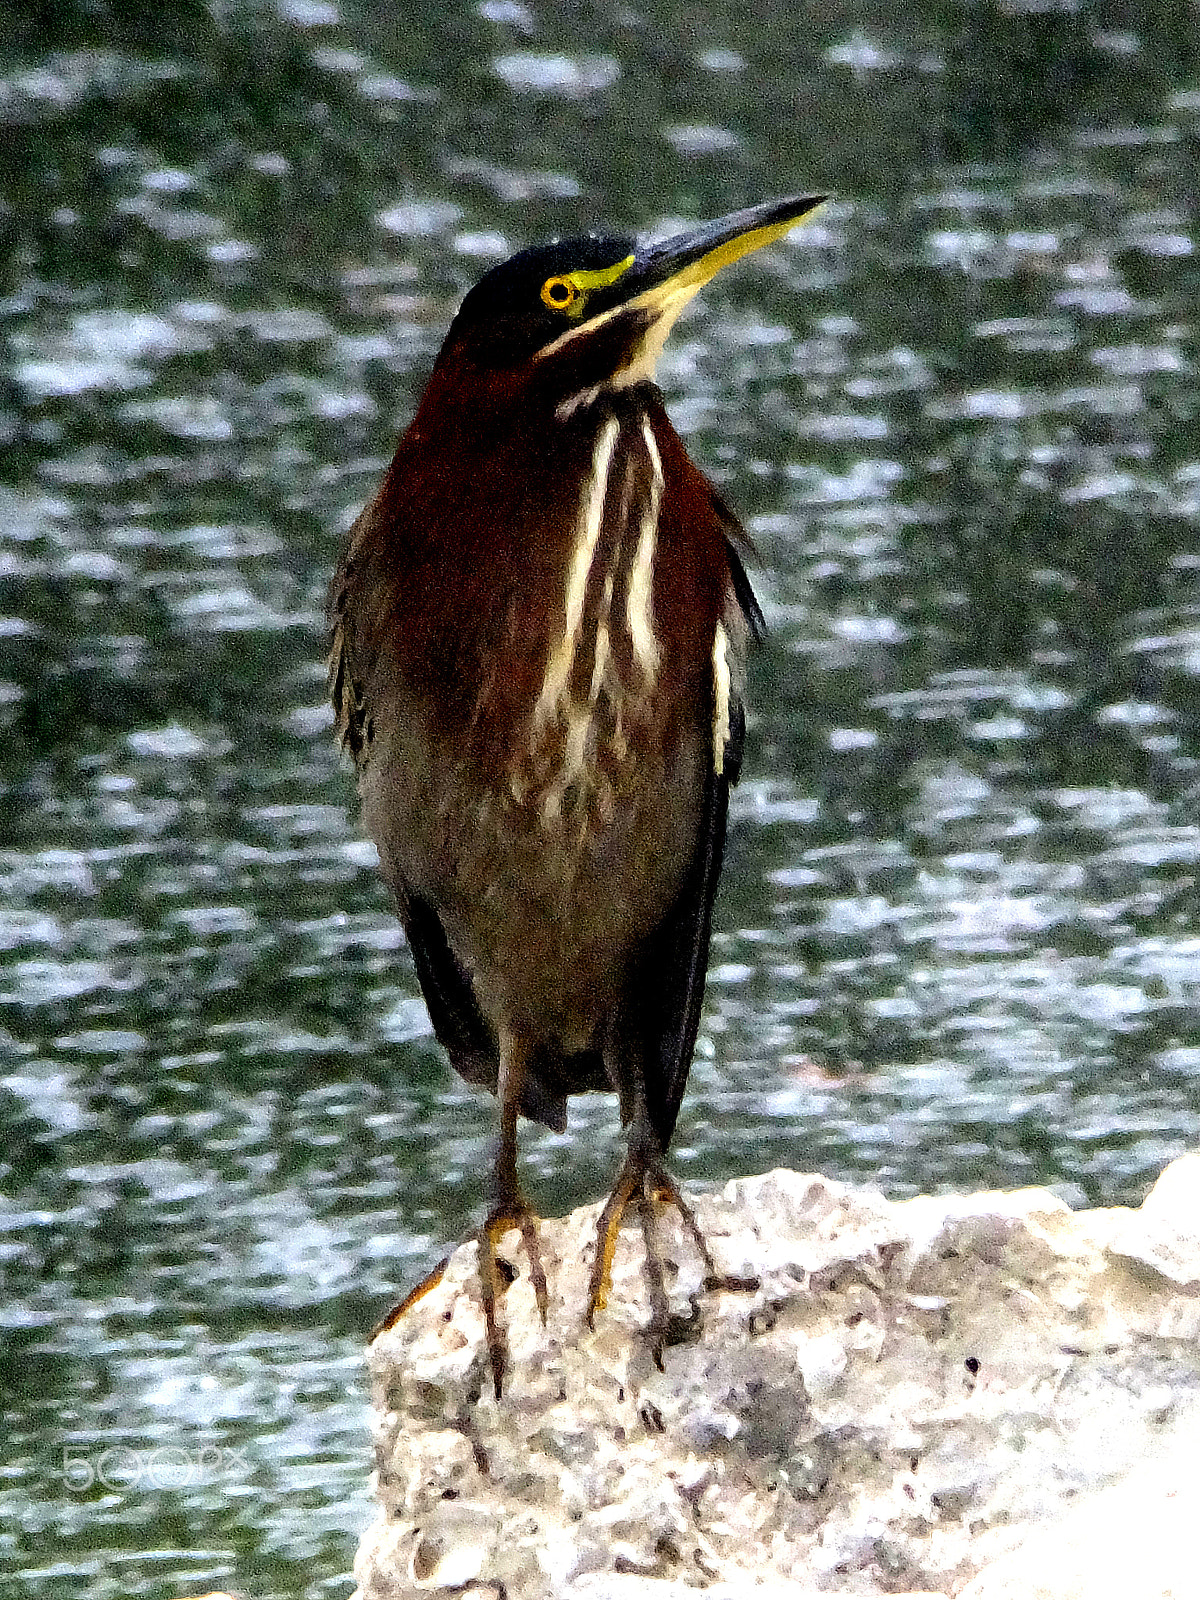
(958, 939)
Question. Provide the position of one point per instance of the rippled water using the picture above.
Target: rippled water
(958, 940)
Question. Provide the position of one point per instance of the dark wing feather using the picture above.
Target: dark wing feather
(738, 543)
(747, 599)
(453, 1009)
(673, 968)
(670, 985)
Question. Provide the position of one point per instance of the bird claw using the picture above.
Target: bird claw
(428, 1282)
(642, 1181)
(514, 1214)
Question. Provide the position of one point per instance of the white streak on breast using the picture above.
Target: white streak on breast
(720, 697)
(591, 515)
(639, 602)
(600, 664)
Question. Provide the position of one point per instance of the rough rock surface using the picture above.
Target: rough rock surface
(913, 1390)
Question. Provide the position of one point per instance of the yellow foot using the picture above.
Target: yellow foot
(430, 1281)
(501, 1218)
(643, 1180)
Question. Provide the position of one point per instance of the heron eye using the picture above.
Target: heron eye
(560, 294)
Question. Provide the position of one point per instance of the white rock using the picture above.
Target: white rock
(1136, 1541)
(913, 1389)
(1165, 1233)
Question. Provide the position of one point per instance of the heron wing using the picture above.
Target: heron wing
(669, 991)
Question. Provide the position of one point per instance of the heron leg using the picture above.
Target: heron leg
(510, 1209)
(642, 1181)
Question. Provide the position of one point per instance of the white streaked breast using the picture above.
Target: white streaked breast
(639, 600)
(578, 731)
(591, 516)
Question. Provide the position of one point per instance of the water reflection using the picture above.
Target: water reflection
(958, 942)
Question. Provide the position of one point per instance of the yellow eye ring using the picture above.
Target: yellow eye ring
(560, 294)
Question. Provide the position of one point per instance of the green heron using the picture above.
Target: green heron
(538, 643)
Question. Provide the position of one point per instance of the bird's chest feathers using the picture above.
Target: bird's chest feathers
(553, 687)
(595, 689)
